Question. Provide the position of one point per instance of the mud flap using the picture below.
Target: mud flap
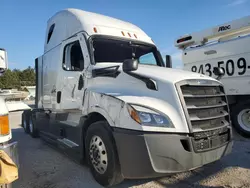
(8, 169)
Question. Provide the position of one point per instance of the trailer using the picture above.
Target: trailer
(224, 46)
(104, 95)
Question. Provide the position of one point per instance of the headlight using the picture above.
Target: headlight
(149, 117)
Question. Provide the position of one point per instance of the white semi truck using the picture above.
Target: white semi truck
(8, 149)
(103, 95)
(224, 46)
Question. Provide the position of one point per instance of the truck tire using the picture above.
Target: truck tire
(32, 126)
(101, 154)
(241, 118)
(25, 122)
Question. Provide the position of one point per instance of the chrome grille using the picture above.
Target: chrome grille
(205, 105)
(207, 113)
(204, 102)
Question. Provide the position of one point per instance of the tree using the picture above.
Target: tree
(10, 80)
(17, 78)
(27, 77)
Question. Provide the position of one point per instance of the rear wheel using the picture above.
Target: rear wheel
(25, 122)
(241, 118)
(32, 126)
(101, 154)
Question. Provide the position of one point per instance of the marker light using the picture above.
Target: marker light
(4, 125)
(184, 39)
(133, 114)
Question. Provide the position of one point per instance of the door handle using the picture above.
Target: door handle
(210, 52)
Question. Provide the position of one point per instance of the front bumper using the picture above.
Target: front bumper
(144, 155)
(11, 150)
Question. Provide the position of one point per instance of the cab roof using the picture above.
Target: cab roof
(66, 23)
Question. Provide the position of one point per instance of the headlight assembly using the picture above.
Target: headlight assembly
(149, 117)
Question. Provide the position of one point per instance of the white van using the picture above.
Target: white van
(103, 94)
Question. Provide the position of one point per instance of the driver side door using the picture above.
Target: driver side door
(72, 68)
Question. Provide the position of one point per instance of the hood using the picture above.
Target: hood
(168, 74)
(160, 73)
(126, 84)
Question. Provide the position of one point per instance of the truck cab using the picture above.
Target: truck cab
(224, 46)
(104, 95)
(8, 149)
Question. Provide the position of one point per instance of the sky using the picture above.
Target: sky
(23, 23)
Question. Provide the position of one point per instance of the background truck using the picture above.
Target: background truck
(8, 149)
(103, 95)
(224, 46)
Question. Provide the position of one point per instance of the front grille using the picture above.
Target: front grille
(207, 113)
(206, 106)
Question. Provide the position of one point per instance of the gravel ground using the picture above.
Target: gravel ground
(44, 167)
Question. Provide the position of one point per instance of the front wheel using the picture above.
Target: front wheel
(101, 154)
(241, 118)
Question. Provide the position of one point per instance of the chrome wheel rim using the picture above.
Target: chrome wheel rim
(24, 124)
(98, 154)
(244, 119)
(31, 127)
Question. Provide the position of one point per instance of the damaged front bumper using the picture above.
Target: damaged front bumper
(144, 155)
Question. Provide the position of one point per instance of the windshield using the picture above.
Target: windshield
(116, 51)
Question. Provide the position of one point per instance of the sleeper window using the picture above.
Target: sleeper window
(51, 29)
(73, 57)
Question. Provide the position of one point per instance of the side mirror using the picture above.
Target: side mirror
(219, 72)
(3, 60)
(130, 65)
(168, 61)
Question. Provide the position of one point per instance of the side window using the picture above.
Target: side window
(148, 59)
(73, 57)
(51, 29)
